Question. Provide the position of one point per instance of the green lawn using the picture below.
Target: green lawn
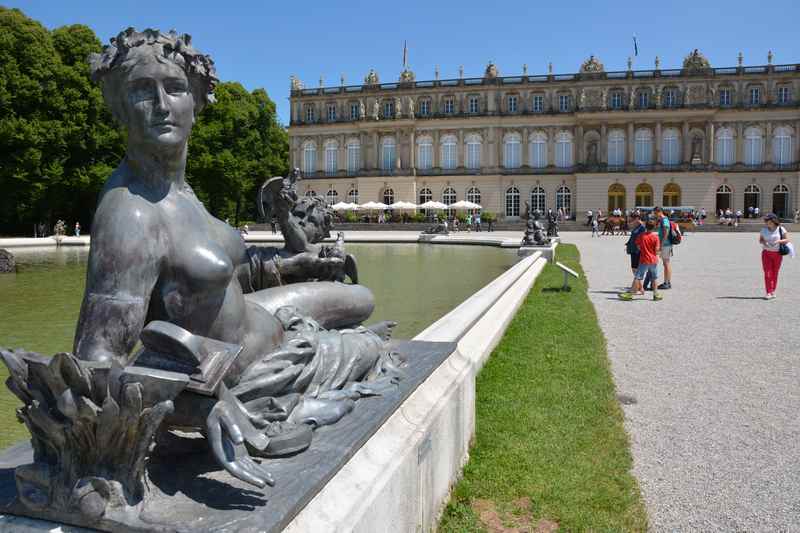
(550, 448)
(12, 430)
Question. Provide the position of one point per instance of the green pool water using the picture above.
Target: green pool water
(413, 284)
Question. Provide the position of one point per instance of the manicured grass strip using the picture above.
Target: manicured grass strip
(550, 447)
(12, 431)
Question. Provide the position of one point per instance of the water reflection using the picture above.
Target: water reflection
(413, 284)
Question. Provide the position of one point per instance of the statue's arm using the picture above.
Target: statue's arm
(124, 264)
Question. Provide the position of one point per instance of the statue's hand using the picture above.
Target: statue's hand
(229, 427)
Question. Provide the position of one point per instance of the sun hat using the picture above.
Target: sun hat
(773, 217)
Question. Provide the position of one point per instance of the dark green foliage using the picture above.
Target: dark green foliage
(59, 143)
(549, 429)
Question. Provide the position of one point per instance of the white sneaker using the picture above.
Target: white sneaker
(769, 297)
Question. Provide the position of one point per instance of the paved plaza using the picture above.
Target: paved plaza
(714, 371)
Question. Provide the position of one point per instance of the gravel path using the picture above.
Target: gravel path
(715, 371)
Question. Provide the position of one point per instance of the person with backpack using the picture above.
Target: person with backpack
(668, 233)
(631, 248)
(649, 245)
(774, 240)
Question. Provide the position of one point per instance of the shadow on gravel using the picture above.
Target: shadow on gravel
(740, 297)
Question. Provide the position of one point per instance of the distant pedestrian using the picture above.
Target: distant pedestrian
(649, 244)
(594, 228)
(738, 216)
(490, 224)
(665, 244)
(772, 236)
(756, 211)
(589, 217)
(77, 229)
(477, 222)
(469, 222)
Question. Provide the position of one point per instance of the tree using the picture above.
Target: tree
(236, 143)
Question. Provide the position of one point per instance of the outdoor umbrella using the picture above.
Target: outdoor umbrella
(430, 204)
(373, 206)
(464, 204)
(342, 206)
(403, 205)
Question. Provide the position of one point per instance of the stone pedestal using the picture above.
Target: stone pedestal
(548, 252)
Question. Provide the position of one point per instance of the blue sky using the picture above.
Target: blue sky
(260, 44)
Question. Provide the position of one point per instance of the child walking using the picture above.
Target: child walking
(594, 228)
(649, 248)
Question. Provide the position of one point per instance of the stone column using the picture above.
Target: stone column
(768, 143)
(602, 151)
(437, 150)
(362, 151)
(579, 156)
(461, 150)
(341, 157)
(320, 153)
(498, 147)
(551, 146)
(523, 156)
(630, 145)
(796, 148)
(738, 157)
(376, 152)
(710, 141)
(398, 155)
(687, 144)
(658, 143)
(412, 156)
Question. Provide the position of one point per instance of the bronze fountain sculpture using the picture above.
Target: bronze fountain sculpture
(184, 327)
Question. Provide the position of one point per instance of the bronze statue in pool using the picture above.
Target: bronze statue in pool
(252, 346)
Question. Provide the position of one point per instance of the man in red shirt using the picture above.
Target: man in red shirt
(649, 248)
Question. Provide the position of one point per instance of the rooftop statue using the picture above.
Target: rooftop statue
(696, 61)
(592, 65)
(371, 78)
(237, 342)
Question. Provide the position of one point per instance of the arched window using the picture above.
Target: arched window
(388, 196)
(752, 198)
(753, 147)
(331, 197)
(564, 200)
(511, 151)
(782, 147)
(311, 193)
(538, 149)
(780, 201)
(512, 202)
(616, 148)
(724, 193)
(424, 153)
(670, 147)
(474, 152)
(644, 195)
(331, 157)
(425, 195)
(388, 153)
(352, 196)
(449, 154)
(643, 153)
(309, 157)
(449, 197)
(672, 195)
(724, 147)
(564, 150)
(474, 195)
(353, 156)
(616, 197)
(538, 199)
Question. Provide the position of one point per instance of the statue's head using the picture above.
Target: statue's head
(155, 84)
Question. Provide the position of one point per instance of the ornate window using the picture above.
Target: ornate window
(782, 146)
(643, 153)
(474, 195)
(512, 103)
(724, 193)
(672, 195)
(564, 150)
(616, 148)
(448, 198)
(644, 195)
(538, 103)
(643, 99)
(331, 197)
(449, 152)
(564, 103)
(755, 95)
(538, 149)
(388, 109)
(752, 197)
(780, 201)
(474, 105)
(331, 112)
(670, 97)
(670, 147)
(331, 157)
(353, 156)
(724, 149)
(354, 111)
(511, 151)
(473, 152)
(388, 153)
(309, 157)
(616, 197)
(538, 199)
(388, 196)
(616, 100)
(784, 95)
(352, 196)
(310, 113)
(424, 107)
(753, 147)
(449, 105)
(564, 200)
(725, 96)
(425, 153)
(512, 202)
(425, 195)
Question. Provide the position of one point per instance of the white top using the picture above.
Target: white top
(771, 239)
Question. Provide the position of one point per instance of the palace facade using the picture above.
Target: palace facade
(696, 136)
